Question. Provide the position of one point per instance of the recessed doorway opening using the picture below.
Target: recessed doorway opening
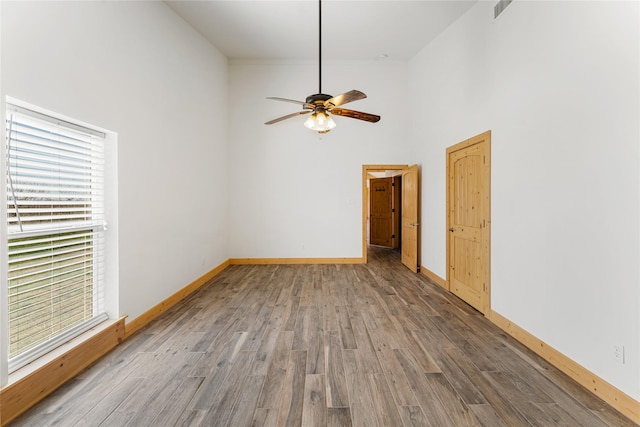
(387, 220)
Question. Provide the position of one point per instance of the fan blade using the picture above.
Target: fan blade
(288, 116)
(291, 100)
(355, 114)
(352, 95)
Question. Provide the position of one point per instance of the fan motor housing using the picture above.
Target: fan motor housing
(318, 98)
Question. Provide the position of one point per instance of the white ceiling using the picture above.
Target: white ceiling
(351, 30)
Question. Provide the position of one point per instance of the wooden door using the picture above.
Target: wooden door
(410, 218)
(468, 220)
(396, 211)
(380, 216)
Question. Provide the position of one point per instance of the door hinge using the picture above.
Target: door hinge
(393, 184)
(484, 287)
(393, 210)
(393, 236)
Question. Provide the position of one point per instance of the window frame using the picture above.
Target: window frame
(109, 246)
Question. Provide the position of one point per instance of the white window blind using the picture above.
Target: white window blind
(55, 226)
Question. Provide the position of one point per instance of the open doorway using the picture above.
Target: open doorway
(387, 218)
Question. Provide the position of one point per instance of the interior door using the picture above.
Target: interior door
(410, 218)
(468, 220)
(396, 211)
(380, 216)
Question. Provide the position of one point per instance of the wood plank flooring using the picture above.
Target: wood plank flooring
(322, 345)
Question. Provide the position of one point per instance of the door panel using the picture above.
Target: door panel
(468, 220)
(396, 212)
(381, 205)
(410, 217)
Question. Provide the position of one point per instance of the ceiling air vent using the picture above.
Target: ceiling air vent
(500, 7)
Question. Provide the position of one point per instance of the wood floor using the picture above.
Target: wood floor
(322, 345)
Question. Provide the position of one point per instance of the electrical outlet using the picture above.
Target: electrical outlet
(618, 353)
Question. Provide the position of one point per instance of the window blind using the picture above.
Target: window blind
(55, 228)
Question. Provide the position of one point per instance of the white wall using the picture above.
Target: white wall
(558, 85)
(136, 69)
(292, 193)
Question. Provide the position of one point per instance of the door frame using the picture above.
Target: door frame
(485, 138)
(366, 170)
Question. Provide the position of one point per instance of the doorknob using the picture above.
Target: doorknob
(451, 229)
(415, 224)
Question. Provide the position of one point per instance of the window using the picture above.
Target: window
(55, 232)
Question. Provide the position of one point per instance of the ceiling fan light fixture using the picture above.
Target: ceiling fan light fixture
(320, 122)
(321, 105)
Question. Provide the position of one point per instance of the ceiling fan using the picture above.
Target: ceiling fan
(322, 106)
